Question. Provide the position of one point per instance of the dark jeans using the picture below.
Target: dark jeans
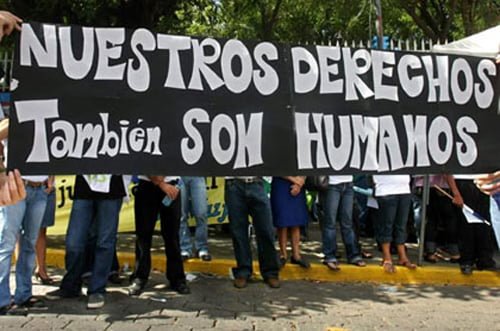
(250, 199)
(84, 212)
(337, 204)
(148, 204)
(442, 213)
(392, 217)
(90, 252)
(475, 239)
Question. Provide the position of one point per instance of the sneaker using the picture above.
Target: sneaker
(95, 301)
(466, 269)
(114, 278)
(59, 294)
(205, 256)
(240, 282)
(273, 282)
(185, 256)
(135, 287)
(181, 288)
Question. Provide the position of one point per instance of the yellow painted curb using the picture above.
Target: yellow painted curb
(429, 275)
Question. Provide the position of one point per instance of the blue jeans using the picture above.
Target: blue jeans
(495, 216)
(194, 201)
(337, 203)
(392, 217)
(250, 199)
(105, 213)
(22, 221)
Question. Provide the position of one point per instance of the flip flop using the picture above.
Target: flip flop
(333, 265)
(388, 267)
(359, 263)
(407, 264)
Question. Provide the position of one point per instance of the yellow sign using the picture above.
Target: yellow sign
(217, 212)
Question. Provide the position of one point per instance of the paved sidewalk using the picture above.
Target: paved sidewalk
(299, 305)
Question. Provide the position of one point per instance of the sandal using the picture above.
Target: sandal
(388, 267)
(282, 261)
(332, 265)
(432, 257)
(359, 263)
(407, 264)
(301, 262)
(366, 255)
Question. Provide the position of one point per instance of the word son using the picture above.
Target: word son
(380, 139)
(82, 140)
(242, 140)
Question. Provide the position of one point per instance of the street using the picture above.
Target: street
(298, 305)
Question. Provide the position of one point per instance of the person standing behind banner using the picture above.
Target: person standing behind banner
(441, 213)
(96, 198)
(337, 203)
(41, 243)
(490, 184)
(289, 210)
(11, 184)
(394, 199)
(158, 195)
(21, 222)
(475, 239)
(194, 202)
(244, 197)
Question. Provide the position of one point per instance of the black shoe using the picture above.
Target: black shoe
(240, 282)
(33, 303)
(136, 287)
(205, 256)
(301, 262)
(60, 294)
(181, 288)
(466, 269)
(115, 278)
(273, 282)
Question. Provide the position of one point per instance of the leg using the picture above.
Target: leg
(80, 221)
(41, 245)
(295, 235)
(199, 208)
(40, 248)
(235, 198)
(35, 208)
(403, 210)
(260, 210)
(170, 221)
(283, 239)
(147, 205)
(106, 219)
(384, 228)
(346, 226)
(11, 218)
(184, 233)
(330, 201)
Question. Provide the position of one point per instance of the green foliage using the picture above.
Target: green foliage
(298, 21)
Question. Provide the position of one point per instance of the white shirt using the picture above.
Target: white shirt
(166, 179)
(36, 178)
(334, 180)
(391, 184)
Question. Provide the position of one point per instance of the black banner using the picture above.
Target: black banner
(113, 100)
